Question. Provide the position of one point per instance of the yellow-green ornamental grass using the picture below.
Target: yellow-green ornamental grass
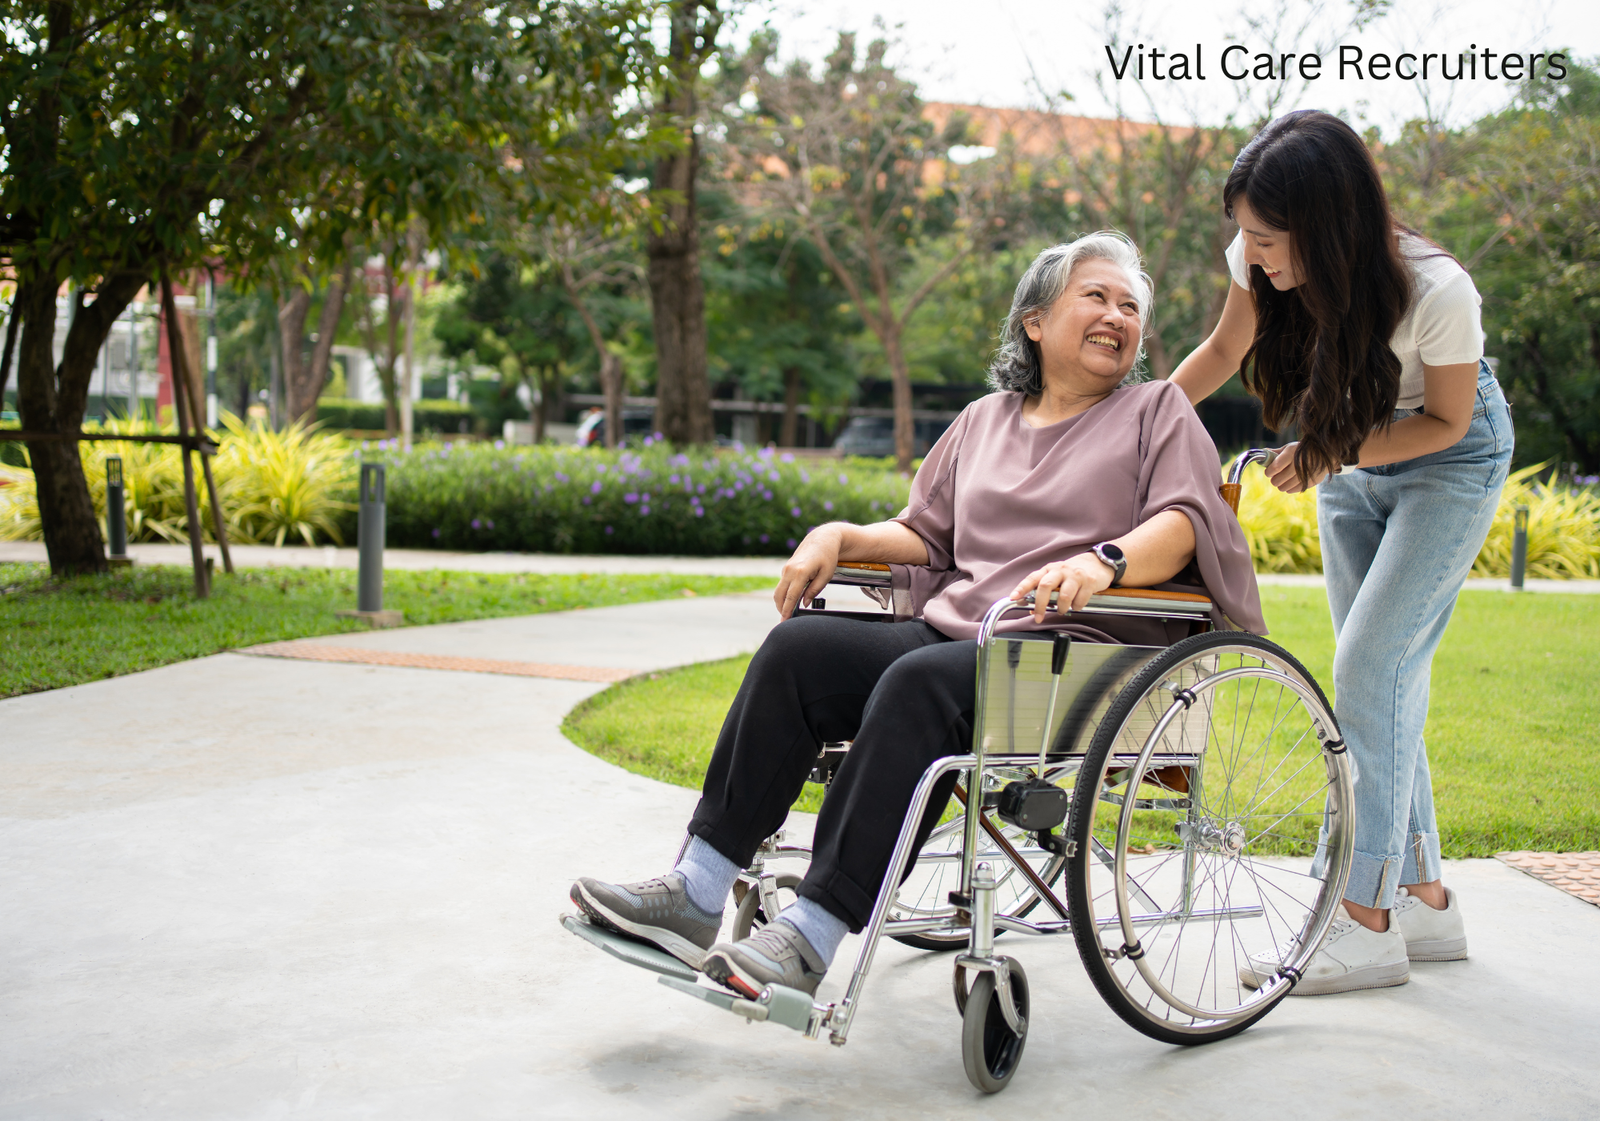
(1563, 528)
(275, 487)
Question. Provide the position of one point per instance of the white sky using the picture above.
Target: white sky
(984, 51)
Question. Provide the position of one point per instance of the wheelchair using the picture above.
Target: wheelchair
(1182, 813)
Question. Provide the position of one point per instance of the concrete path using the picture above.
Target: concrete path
(243, 888)
(264, 556)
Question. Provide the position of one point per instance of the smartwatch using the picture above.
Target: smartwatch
(1113, 558)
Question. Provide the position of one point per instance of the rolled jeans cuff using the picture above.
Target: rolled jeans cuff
(1374, 879)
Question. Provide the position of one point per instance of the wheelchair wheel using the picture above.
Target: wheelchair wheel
(1212, 821)
(990, 1050)
(751, 916)
(937, 873)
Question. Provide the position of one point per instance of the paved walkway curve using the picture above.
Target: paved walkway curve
(246, 887)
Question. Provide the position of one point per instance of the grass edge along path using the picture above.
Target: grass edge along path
(1511, 728)
(87, 628)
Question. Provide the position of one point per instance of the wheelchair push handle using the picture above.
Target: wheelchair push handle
(1230, 489)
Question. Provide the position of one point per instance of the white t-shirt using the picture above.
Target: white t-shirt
(1443, 326)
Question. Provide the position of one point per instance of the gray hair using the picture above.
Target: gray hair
(1016, 364)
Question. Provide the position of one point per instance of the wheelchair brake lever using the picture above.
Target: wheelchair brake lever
(1054, 604)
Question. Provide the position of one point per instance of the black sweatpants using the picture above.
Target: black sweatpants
(902, 691)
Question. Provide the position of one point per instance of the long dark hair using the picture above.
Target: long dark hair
(1321, 355)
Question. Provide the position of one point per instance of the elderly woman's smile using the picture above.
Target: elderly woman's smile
(1088, 340)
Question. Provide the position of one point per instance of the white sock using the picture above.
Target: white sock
(818, 925)
(707, 875)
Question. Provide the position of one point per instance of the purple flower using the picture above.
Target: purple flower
(594, 487)
(475, 524)
(561, 478)
(791, 543)
(805, 476)
(601, 468)
(587, 500)
(828, 505)
(762, 539)
(673, 478)
(701, 489)
(631, 497)
(436, 531)
(787, 457)
(699, 511)
(644, 510)
(491, 523)
(659, 437)
(767, 494)
(843, 478)
(794, 511)
(499, 445)
(608, 529)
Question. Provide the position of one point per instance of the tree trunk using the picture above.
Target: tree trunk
(409, 388)
(791, 408)
(296, 378)
(900, 377)
(316, 374)
(611, 386)
(52, 399)
(677, 297)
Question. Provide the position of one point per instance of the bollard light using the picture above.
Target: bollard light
(116, 510)
(370, 531)
(1519, 548)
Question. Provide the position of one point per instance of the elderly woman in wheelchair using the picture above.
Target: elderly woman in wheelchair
(1072, 479)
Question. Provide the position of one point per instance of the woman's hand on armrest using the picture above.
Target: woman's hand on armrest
(808, 571)
(1155, 551)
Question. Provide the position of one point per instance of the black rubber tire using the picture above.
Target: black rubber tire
(750, 916)
(1080, 825)
(990, 1051)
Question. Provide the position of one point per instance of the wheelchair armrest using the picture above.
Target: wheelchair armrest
(1149, 601)
(862, 575)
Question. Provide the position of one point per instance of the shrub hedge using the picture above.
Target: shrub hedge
(653, 499)
(428, 415)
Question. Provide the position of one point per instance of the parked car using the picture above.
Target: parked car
(636, 423)
(874, 435)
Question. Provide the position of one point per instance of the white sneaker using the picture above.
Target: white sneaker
(1430, 935)
(1352, 957)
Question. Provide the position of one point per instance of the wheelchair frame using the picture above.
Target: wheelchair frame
(996, 1005)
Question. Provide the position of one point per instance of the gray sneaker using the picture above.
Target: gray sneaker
(657, 911)
(775, 954)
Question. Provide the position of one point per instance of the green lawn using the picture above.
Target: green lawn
(82, 629)
(1511, 735)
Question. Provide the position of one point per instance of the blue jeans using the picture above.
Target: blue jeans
(1397, 543)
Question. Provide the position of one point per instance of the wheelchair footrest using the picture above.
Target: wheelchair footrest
(627, 949)
(777, 1004)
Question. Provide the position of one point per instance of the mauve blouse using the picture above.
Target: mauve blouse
(996, 499)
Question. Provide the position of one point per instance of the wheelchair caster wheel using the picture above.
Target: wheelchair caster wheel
(990, 1050)
(750, 917)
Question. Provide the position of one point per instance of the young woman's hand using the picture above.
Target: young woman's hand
(1077, 579)
(1282, 474)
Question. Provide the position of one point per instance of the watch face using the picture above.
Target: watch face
(1112, 552)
